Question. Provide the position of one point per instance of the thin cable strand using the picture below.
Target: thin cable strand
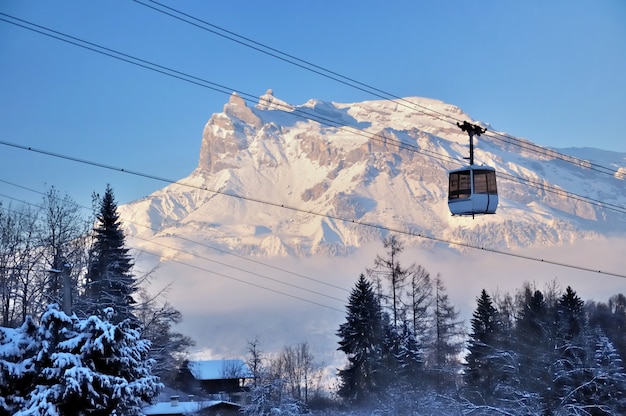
(307, 65)
(300, 113)
(334, 217)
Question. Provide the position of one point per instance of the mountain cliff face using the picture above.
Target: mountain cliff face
(278, 179)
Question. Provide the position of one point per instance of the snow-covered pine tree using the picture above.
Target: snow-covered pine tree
(611, 318)
(361, 339)
(409, 357)
(609, 377)
(90, 366)
(18, 347)
(575, 385)
(109, 280)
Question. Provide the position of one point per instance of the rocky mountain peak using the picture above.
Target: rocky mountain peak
(296, 180)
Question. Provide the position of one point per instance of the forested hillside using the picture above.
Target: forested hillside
(534, 351)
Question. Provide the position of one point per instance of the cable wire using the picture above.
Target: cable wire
(325, 72)
(195, 243)
(287, 109)
(222, 274)
(329, 216)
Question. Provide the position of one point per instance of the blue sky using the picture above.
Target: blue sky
(553, 72)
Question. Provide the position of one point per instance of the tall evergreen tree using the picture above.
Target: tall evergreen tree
(532, 342)
(570, 315)
(485, 359)
(572, 362)
(447, 341)
(609, 378)
(109, 280)
(361, 339)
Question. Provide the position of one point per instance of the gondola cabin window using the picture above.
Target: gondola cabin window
(460, 185)
(485, 182)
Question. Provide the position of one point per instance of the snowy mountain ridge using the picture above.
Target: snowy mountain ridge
(272, 182)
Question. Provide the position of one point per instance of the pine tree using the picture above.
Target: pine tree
(409, 356)
(611, 318)
(447, 341)
(485, 360)
(570, 315)
(532, 342)
(18, 347)
(68, 366)
(361, 339)
(609, 392)
(109, 281)
(573, 351)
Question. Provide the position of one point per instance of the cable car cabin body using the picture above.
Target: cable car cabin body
(472, 190)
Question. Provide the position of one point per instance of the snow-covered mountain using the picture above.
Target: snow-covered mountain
(270, 181)
(283, 212)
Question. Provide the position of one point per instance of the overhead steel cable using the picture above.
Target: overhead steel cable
(535, 148)
(279, 106)
(151, 241)
(562, 192)
(329, 216)
(218, 273)
(171, 181)
(126, 221)
(325, 72)
(112, 53)
(248, 283)
(299, 112)
(275, 53)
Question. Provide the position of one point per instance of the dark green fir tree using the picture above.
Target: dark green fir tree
(485, 359)
(361, 339)
(109, 280)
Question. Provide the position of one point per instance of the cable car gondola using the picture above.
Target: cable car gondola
(472, 190)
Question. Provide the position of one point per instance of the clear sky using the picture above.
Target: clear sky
(550, 71)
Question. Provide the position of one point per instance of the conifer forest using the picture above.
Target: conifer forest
(80, 336)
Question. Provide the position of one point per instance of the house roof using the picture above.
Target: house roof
(219, 369)
(179, 408)
(184, 408)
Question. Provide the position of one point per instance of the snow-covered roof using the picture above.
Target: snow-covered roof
(178, 408)
(219, 369)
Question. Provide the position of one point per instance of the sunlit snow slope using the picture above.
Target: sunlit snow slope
(270, 181)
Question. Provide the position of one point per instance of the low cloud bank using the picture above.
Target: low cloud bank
(303, 300)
